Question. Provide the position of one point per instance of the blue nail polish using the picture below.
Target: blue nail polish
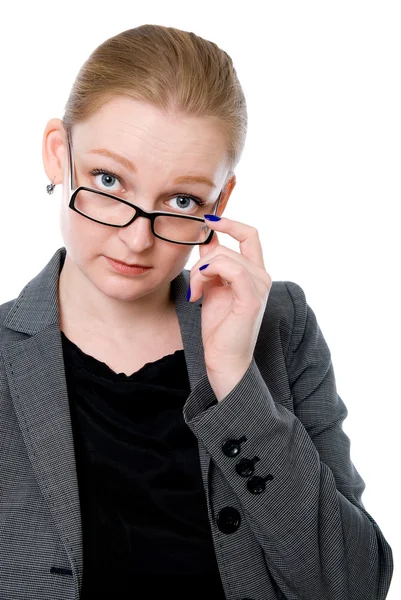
(203, 267)
(212, 217)
(188, 293)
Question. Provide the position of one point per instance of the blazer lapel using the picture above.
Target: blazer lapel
(189, 317)
(38, 389)
(35, 371)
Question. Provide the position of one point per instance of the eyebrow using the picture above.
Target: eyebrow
(127, 164)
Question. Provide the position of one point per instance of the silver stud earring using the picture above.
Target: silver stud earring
(50, 187)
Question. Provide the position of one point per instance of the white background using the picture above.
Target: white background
(319, 178)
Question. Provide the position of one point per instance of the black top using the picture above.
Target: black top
(144, 515)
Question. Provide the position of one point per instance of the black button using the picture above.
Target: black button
(245, 467)
(228, 520)
(257, 485)
(232, 448)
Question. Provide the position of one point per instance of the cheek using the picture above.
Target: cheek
(181, 258)
(80, 234)
(170, 259)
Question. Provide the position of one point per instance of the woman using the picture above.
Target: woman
(167, 431)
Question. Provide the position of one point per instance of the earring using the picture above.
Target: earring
(50, 187)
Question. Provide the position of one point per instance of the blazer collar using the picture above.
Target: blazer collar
(34, 367)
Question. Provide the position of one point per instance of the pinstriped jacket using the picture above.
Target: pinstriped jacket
(305, 535)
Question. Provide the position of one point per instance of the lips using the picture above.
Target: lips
(129, 264)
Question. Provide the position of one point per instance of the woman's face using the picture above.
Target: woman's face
(162, 149)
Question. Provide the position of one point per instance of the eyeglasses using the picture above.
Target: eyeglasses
(110, 210)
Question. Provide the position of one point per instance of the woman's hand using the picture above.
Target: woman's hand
(231, 313)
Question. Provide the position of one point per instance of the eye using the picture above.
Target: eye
(105, 182)
(186, 203)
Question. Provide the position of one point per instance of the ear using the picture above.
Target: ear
(54, 150)
(226, 193)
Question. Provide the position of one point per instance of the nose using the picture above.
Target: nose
(138, 236)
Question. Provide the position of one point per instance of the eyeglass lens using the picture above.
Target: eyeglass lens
(112, 212)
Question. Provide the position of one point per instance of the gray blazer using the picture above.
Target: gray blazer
(304, 535)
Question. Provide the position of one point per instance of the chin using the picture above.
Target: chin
(120, 287)
(126, 292)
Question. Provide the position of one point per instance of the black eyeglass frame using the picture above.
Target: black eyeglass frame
(139, 211)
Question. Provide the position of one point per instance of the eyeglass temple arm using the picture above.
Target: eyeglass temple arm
(72, 179)
(217, 204)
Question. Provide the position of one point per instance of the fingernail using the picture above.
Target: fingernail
(203, 267)
(212, 217)
(189, 293)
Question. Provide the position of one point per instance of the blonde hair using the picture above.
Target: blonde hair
(172, 69)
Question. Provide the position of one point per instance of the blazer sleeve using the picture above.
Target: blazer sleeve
(317, 537)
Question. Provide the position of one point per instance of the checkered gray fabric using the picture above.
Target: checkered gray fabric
(305, 535)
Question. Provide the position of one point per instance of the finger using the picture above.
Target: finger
(206, 258)
(246, 235)
(247, 289)
(224, 268)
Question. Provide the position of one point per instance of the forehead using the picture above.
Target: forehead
(131, 127)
